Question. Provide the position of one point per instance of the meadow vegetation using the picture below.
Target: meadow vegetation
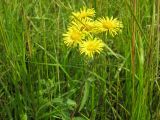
(43, 77)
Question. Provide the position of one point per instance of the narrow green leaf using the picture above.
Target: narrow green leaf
(85, 95)
(79, 118)
(71, 102)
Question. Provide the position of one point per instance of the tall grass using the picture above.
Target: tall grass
(40, 78)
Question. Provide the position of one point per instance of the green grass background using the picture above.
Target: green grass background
(42, 79)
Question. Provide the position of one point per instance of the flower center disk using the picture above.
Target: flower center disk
(75, 36)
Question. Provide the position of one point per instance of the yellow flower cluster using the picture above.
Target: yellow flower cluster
(83, 31)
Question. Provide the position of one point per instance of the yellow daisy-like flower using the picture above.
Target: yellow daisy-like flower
(91, 46)
(84, 13)
(73, 37)
(86, 25)
(111, 25)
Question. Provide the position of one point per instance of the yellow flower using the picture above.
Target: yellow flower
(91, 46)
(84, 13)
(73, 37)
(86, 25)
(111, 25)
